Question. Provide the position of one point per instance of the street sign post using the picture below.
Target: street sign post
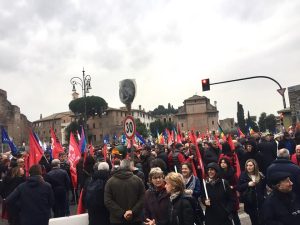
(129, 127)
(281, 91)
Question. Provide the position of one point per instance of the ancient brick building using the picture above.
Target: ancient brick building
(11, 118)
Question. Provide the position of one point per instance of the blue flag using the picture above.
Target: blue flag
(141, 139)
(6, 140)
(106, 139)
(82, 143)
(39, 141)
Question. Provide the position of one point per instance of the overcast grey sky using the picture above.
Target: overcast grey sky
(167, 46)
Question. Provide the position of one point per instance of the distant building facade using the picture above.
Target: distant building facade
(110, 124)
(59, 121)
(16, 124)
(197, 114)
(227, 125)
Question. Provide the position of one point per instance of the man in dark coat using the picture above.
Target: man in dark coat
(284, 164)
(288, 143)
(267, 151)
(124, 196)
(281, 207)
(60, 182)
(34, 199)
(176, 158)
(93, 195)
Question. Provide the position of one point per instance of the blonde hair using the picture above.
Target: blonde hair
(256, 170)
(176, 180)
(155, 171)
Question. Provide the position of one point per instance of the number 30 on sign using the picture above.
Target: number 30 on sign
(129, 127)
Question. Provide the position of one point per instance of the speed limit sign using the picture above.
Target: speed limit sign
(129, 127)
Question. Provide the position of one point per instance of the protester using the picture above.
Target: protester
(60, 182)
(228, 153)
(93, 195)
(295, 158)
(240, 151)
(124, 196)
(281, 207)
(34, 198)
(181, 209)
(157, 199)
(193, 189)
(284, 164)
(251, 152)
(14, 177)
(227, 173)
(219, 201)
(268, 152)
(210, 155)
(288, 143)
(251, 186)
(176, 158)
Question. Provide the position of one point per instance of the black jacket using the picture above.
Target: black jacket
(259, 190)
(34, 199)
(58, 178)
(268, 152)
(157, 205)
(181, 211)
(286, 165)
(98, 214)
(281, 209)
(222, 203)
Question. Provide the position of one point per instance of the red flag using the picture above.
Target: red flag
(169, 137)
(35, 152)
(91, 149)
(104, 152)
(218, 142)
(241, 134)
(179, 132)
(230, 142)
(74, 152)
(200, 162)
(237, 165)
(179, 139)
(74, 156)
(56, 146)
(80, 207)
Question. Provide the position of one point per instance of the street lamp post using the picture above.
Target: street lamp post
(85, 83)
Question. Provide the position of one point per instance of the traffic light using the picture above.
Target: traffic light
(205, 85)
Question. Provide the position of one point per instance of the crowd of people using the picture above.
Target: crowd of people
(162, 184)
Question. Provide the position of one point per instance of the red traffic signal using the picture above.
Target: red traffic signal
(205, 85)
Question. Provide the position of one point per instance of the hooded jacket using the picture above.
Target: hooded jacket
(34, 199)
(124, 191)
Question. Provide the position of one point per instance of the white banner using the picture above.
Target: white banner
(81, 219)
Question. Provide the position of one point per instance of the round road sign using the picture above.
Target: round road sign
(129, 127)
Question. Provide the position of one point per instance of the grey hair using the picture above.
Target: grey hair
(55, 163)
(155, 171)
(125, 164)
(103, 166)
(283, 153)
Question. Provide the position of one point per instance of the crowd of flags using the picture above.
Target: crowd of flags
(77, 148)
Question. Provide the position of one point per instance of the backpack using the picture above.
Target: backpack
(94, 197)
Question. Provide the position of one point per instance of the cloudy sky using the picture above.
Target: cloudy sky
(167, 46)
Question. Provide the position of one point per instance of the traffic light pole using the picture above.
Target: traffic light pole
(247, 78)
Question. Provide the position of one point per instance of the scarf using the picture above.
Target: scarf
(190, 183)
(174, 196)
